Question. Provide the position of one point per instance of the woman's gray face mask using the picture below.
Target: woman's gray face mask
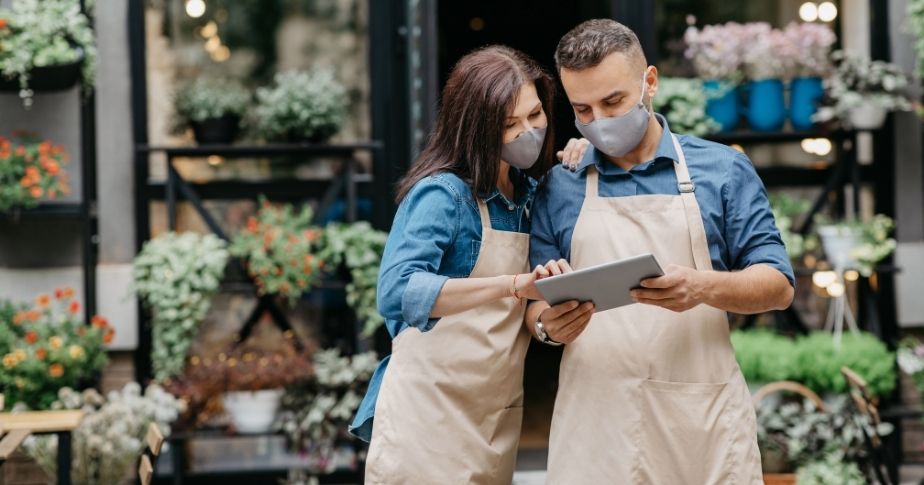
(523, 151)
(618, 135)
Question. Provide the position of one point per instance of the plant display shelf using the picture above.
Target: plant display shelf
(85, 210)
(345, 184)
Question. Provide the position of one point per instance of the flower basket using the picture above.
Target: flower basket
(47, 78)
(252, 412)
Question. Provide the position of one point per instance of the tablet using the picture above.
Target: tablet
(607, 285)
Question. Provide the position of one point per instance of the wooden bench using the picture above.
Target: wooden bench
(17, 427)
(154, 440)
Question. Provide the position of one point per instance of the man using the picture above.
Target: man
(651, 393)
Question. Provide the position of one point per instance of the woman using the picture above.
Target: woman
(454, 280)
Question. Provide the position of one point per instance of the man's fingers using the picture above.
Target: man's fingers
(564, 266)
(555, 312)
(652, 294)
(541, 272)
(553, 267)
(666, 281)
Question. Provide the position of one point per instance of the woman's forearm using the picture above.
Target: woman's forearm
(461, 294)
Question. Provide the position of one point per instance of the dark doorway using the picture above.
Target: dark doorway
(533, 27)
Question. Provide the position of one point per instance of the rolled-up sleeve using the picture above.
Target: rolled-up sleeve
(425, 226)
(543, 245)
(751, 234)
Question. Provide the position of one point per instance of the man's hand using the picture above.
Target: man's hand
(566, 321)
(573, 152)
(679, 290)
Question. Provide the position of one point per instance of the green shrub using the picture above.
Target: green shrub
(820, 362)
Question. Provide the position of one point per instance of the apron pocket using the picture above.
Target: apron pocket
(684, 433)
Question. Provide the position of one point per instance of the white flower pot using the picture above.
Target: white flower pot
(839, 242)
(252, 411)
(868, 116)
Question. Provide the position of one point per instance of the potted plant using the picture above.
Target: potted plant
(280, 248)
(856, 244)
(716, 53)
(768, 60)
(358, 248)
(45, 45)
(110, 439)
(683, 102)
(862, 92)
(48, 346)
(831, 469)
(301, 107)
(176, 275)
(316, 412)
(213, 108)
(31, 170)
(821, 360)
(785, 211)
(812, 42)
(247, 380)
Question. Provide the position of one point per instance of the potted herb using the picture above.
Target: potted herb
(213, 108)
(31, 170)
(48, 346)
(716, 54)
(176, 276)
(280, 248)
(45, 45)
(110, 438)
(855, 244)
(821, 360)
(812, 42)
(862, 92)
(683, 102)
(358, 248)
(316, 412)
(301, 107)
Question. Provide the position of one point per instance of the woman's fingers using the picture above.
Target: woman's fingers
(553, 267)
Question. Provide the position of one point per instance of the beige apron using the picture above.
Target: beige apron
(647, 395)
(450, 407)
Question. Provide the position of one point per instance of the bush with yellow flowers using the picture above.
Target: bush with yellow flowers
(46, 346)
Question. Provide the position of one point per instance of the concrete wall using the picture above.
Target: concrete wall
(53, 245)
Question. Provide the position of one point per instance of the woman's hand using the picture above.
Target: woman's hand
(526, 283)
(573, 152)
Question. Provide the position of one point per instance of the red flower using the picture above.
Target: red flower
(2, 23)
(107, 337)
(252, 224)
(99, 321)
(31, 337)
(74, 307)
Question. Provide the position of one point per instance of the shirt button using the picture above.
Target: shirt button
(510, 207)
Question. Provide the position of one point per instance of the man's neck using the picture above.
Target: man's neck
(644, 151)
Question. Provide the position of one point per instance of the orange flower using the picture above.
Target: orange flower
(74, 307)
(2, 23)
(36, 192)
(31, 337)
(33, 315)
(107, 337)
(56, 370)
(52, 167)
(19, 318)
(42, 301)
(68, 292)
(26, 182)
(99, 321)
(44, 147)
(20, 151)
(41, 353)
(55, 342)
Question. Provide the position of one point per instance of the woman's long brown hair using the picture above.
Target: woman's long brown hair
(479, 95)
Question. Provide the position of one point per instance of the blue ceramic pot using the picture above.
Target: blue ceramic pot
(722, 104)
(766, 106)
(804, 93)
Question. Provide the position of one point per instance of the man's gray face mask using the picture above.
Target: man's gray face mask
(523, 151)
(618, 135)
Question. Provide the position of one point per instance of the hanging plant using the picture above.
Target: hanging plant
(870, 241)
(280, 248)
(38, 34)
(30, 171)
(176, 276)
(359, 248)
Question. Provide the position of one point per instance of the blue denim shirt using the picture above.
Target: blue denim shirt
(740, 228)
(436, 235)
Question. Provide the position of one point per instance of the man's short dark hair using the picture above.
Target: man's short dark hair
(586, 45)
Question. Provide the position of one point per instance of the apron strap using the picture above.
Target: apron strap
(593, 183)
(485, 216)
(691, 209)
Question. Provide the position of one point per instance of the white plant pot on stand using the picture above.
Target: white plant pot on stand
(839, 243)
(868, 116)
(252, 411)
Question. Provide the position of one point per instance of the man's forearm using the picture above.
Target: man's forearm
(757, 289)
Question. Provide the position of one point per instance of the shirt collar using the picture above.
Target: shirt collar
(665, 151)
(524, 187)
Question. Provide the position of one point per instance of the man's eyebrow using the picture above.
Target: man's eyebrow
(617, 92)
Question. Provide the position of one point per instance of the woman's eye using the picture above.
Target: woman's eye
(536, 114)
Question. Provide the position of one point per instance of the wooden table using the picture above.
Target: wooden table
(15, 427)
